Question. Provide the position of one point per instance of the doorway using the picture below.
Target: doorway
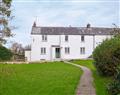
(57, 52)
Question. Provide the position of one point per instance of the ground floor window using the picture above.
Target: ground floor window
(43, 50)
(67, 50)
(82, 50)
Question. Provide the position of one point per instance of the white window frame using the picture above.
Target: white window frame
(44, 38)
(43, 50)
(82, 38)
(66, 38)
(82, 50)
(67, 50)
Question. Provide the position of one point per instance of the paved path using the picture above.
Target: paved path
(85, 86)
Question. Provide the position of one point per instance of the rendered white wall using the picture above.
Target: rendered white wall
(100, 38)
(28, 55)
(74, 43)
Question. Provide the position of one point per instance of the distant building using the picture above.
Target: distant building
(28, 53)
(1, 35)
(65, 43)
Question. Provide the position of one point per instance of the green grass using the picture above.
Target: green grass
(39, 79)
(100, 82)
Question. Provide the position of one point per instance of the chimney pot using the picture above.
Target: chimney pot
(88, 25)
(34, 24)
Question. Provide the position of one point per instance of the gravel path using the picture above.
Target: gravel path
(85, 86)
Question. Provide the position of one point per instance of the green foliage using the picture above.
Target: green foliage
(5, 54)
(7, 1)
(114, 87)
(106, 57)
(5, 17)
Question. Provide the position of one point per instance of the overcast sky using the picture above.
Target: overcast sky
(99, 13)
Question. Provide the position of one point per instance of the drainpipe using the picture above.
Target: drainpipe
(51, 53)
(93, 42)
(60, 44)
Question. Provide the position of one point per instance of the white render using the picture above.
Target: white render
(49, 43)
(58, 41)
(28, 55)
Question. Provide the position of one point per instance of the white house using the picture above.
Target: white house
(65, 43)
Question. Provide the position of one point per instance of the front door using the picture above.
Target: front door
(57, 52)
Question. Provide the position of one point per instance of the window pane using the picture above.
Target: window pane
(44, 37)
(67, 50)
(41, 50)
(66, 38)
(44, 50)
(82, 50)
(82, 38)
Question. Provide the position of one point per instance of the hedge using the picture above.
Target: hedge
(106, 57)
(5, 54)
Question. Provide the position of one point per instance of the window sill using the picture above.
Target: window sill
(44, 41)
(82, 41)
(42, 54)
(67, 53)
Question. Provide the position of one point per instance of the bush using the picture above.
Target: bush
(5, 54)
(114, 87)
(107, 56)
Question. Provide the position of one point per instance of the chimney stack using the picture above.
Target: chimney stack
(34, 24)
(88, 25)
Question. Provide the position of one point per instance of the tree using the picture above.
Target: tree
(107, 61)
(27, 47)
(5, 17)
(5, 54)
(114, 86)
(17, 48)
(18, 51)
(106, 57)
(116, 30)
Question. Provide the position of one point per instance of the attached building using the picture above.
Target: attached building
(65, 43)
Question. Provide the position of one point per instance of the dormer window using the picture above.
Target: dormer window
(44, 38)
(82, 38)
(66, 38)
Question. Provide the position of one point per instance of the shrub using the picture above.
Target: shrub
(5, 54)
(106, 57)
(114, 87)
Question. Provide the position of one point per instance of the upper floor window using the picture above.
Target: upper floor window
(67, 50)
(43, 50)
(44, 37)
(66, 38)
(82, 50)
(82, 38)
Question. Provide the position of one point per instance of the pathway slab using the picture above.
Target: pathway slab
(85, 86)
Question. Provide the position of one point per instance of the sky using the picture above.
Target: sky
(77, 13)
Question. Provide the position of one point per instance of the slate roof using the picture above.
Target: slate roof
(71, 31)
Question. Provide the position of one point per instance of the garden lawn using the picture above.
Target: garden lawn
(100, 82)
(39, 79)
